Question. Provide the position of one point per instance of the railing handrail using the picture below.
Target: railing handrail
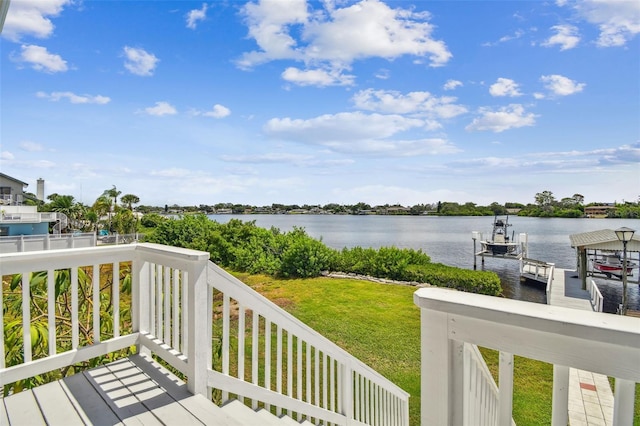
(597, 300)
(550, 279)
(565, 337)
(19, 217)
(613, 331)
(258, 303)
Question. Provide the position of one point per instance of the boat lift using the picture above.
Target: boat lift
(519, 254)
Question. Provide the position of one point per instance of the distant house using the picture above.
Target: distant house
(18, 219)
(598, 211)
(11, 190)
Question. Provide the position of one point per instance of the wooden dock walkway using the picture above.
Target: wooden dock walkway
(590, 395)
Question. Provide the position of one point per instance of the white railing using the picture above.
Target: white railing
(596, 298)
(296, 371)
(268, 358)
(31, 217)
(61, 222)
(22, 243)
(68, 330)
(482, 402)
(567, 338)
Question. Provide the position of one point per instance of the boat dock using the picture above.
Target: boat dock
(590, 397)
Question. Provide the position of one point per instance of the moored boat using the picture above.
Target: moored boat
(501, 244)
(611, 264)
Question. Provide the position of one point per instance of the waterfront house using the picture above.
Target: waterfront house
(599, 211)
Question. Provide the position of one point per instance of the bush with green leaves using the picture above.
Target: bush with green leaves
(385, 262)
(304, 256)
(245, 247)
(437, 274)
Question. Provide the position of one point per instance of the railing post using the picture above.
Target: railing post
(623, 402)
(505, 389)
(198, 328)
(140, 281)
(560, 407)
(347, 392)
(435, 381)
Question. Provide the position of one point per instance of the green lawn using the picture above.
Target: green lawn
(379, 324)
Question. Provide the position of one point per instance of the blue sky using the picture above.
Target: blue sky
(299, 102)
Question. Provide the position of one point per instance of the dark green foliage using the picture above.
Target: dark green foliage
(305, 257)
(386, 262)
(152, 220)
(414, 265)
(245, 247)
(437, 274)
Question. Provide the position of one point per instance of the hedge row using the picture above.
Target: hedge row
(245, 247)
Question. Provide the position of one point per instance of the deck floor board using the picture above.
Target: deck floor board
(131, 391)
(55, 405)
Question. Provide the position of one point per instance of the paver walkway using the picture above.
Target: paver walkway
(590, 396)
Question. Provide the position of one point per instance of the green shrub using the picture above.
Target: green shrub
(386, 262)
(152, 220)
(437, 274)
(245, 247)
(304, 256)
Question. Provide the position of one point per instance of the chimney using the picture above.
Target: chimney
(40, 190)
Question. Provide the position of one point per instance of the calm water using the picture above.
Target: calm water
(448, 240)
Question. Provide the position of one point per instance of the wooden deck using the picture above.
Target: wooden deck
(131, 391)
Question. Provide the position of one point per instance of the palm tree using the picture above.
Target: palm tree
(103, 206)
(113, 193)
(130, 199)
(67, 205)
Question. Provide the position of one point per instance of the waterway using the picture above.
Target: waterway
(448, 240)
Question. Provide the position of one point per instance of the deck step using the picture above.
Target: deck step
(247, 416)
(282, 420)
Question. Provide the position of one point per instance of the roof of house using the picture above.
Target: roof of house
(604, 239)
(2, 175)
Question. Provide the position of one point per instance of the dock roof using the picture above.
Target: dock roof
(604, 239)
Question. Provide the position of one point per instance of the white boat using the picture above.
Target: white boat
(500, 243)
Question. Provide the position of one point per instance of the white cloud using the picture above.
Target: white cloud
(75, 99)
(505, 118)
(388, 101)
(219, 111)
(618, 21)
(196, 15)
(383, 74)
(370, 134)
(160, 109)
(333, 38)
(269, 22)
(7, 156)
(505, 87)
(41, 60)
(296, 159)
(31, 18)
(317, 77)
(31, 146)
(140, 62)
(566, 37)
(452, 85)
(560, 85)
(504, 39)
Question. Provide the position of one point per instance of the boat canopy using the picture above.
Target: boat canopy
(604, 240)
